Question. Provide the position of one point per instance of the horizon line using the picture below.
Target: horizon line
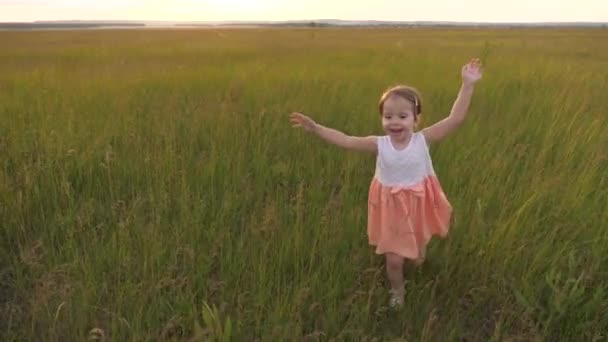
(300, 20)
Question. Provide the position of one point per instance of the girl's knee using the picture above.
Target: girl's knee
(393, 260)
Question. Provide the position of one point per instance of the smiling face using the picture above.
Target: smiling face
(398, 117)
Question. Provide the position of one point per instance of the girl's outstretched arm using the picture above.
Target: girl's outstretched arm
(333, 136)
(471, 73)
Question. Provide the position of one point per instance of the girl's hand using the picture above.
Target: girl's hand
(301, 120)
(472, 71)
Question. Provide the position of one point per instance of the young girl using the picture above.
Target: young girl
(406, 204)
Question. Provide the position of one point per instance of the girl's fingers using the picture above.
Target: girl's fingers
(299, 118)
(474, 61)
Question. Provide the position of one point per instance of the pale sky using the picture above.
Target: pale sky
(217, 10)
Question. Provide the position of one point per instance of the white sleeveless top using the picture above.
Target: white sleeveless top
(403, 167)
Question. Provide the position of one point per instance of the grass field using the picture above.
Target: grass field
(151, 186)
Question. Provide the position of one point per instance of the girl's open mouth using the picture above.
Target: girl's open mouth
(396, 131)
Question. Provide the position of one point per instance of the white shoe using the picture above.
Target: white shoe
(396, 300)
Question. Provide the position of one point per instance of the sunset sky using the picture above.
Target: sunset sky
(217, 10)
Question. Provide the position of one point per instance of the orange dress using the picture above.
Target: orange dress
(406, 204)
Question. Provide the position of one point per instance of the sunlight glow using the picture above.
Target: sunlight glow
(216, 10)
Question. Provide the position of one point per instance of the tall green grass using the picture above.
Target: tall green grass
(151, 186)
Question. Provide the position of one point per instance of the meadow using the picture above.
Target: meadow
(152, 188)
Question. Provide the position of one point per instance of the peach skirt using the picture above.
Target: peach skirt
(402, 220)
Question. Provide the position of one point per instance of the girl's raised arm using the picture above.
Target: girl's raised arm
(471, 73)
(334, 136)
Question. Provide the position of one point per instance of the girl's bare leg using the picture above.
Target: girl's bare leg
(394, 270)
(421, 257)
